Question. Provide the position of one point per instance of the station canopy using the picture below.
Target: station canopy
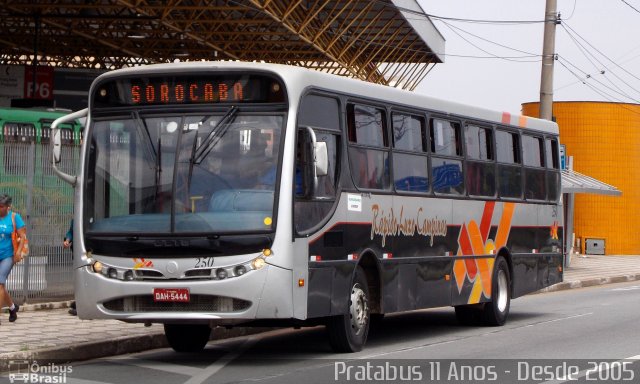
(389, 42)
(576, 182)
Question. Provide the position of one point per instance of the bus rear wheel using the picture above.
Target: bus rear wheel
(348, 332)
(187, 337)
(495, 312)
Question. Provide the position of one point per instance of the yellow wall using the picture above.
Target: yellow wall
(604, 140)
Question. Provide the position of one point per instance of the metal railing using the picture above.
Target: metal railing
(46, 205)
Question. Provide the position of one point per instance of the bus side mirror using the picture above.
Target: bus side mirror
(56, 144)
(321, 158)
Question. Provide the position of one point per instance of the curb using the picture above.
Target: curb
(113, 347)
(590, 282)
(45, 306)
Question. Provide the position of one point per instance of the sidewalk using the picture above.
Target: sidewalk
(47, 331)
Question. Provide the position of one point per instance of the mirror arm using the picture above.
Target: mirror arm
(312, 134)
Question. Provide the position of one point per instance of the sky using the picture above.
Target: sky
(597, 43)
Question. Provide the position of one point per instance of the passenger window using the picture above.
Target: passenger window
(553, 167)
(507, 148)
(367, 126)
(481, 178)
(446, 173)
(509, 170)
(532, 151)
(410, 161)
(478, 142)
(368, 156)
(480, 172)
(551, 146)
(410, 172)
(445, 137)
(447, 176)
(408, 132)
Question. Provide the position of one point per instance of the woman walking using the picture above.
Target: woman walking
(7, 256)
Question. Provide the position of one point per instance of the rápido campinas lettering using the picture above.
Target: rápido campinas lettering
(388, 224)
(376, 372)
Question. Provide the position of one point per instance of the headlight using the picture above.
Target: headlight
(258, 263)
(221, 273)
(128, 275)
(240, 270)
(97, 267)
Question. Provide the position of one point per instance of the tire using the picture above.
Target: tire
(348, 332)
(187, 337)
(496, 311)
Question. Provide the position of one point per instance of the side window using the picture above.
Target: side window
(368, 153)
(553, 169)
(410, 161)
(367, 126)
(532, 151)
(507, 147)
(446, 162)
(509, 169)
(478, 142)
(408, 132)
(551, 146)
(480, 173)
(445, 137)
(312, 206)
(534, 174)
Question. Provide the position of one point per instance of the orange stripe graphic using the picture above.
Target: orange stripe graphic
(467, 249)
(522, 122)
(505, 225)
(485, 223)
(474, 240)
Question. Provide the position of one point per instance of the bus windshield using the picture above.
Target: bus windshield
(197, 174)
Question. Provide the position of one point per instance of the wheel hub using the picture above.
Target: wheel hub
(358, 309)
(502, 291)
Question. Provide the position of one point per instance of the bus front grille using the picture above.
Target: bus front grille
(197, 303)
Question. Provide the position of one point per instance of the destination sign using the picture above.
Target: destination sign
(190, 89)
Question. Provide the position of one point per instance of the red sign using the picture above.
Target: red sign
(180, 295)
(43, 80)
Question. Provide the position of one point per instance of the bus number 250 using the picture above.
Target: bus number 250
(204, 262)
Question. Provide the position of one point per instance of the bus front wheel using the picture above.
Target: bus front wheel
(348, 332)
(187, 337)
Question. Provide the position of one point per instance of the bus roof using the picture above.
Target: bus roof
(28, 114)
(298, 79)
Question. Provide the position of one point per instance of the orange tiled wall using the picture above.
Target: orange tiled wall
(604, 140)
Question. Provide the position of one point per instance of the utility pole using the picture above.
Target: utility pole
(548, 57)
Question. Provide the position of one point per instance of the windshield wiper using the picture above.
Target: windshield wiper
(149, 145)
(214, 136)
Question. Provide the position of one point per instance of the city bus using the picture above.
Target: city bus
(251, 194)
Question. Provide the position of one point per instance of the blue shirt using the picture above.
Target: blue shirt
(6, 227)
(69, 235)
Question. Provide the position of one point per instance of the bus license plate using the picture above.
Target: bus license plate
(180, 295)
